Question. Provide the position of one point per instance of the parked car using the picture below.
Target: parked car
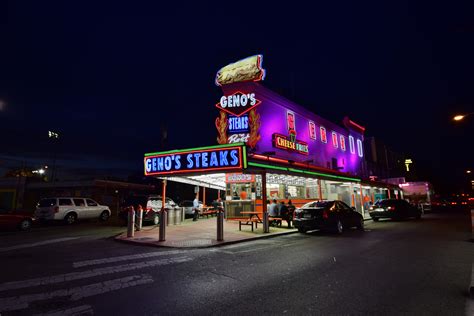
(14, 220)
(394, 209)
(327, 215)
(71, 209)
(188, 207)
(151, 205)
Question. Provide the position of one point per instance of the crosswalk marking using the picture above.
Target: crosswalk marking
(35, 244)
(76, 293)
(85, 263)
(60, 278)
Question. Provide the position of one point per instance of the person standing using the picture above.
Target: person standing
(243, 194)
(196, 209)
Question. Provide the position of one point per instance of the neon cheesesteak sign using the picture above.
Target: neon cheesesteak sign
(197, 160)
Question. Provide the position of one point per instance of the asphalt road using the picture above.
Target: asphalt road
(393, 268)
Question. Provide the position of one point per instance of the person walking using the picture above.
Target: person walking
(291, 211)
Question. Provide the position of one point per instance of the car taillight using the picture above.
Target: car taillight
(391, 208)
(56, 209)
(325, 214)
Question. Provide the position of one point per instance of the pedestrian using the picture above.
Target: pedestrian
(291, 212)
(243, 194)
(284, 213)
(196, 209)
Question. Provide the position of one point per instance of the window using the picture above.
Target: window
(322, 131)
(65, 202)
(79, 202)
(351, 145)
(334, 139)
(47, 202)
(91, 202)
(342, 141)
(359, 148)
(312, 130)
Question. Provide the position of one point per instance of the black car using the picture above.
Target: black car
(394, 209)
(327, 215)
(150, 214)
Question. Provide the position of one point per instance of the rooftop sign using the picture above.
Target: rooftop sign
(248, 69)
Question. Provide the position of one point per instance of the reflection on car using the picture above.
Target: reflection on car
(394, 209)
(334, 216)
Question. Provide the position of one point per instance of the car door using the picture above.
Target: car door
(93, 209)
(346, 214)
(81, 208)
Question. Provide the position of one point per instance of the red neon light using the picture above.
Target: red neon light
(322, 131)
(218, 105)
(239, 167)
(357, 125)
(312, 130)
(343, 142)
(334, 139)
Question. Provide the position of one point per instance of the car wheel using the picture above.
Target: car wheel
(104, 216)
(25, 224)
(360, 225)
(70, 218)
(156, 219)
(339, 228)
(375, 219)
(302, 230)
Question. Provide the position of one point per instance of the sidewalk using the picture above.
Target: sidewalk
(200, 234)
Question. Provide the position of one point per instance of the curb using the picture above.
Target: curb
(223, 243)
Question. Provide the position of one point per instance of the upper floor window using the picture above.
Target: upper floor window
(334, 139)
(351, 145)
(322, 132)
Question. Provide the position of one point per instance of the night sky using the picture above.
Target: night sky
(109, 76)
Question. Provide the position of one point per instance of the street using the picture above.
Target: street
(392, 268)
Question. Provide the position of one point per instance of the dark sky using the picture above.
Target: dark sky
(106, 76)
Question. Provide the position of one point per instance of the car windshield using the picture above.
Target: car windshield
(47, 202)
(317, 204)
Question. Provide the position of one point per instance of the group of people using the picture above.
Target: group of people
(282, 210)
(217, 205)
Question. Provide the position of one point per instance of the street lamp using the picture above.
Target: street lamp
(460, 117)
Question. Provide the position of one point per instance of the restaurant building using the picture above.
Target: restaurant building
(272, 148)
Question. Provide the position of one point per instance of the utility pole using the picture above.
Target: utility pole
(54, 137)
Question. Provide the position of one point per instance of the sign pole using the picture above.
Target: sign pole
(163, 216)
(266, 224)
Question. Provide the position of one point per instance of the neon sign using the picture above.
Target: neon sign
(322, 132)
(211, 158)
(312, 130)
(334, 139)
(238, 124)
(282, 142)
(238, 103)
(291, 125)
(342, 141)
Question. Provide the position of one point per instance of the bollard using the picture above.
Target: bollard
(220, 226)
(131, 222)
(266, 224)
(163, 223)
(139, 217)
(472, 225)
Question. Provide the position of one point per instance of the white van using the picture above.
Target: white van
(70, 209)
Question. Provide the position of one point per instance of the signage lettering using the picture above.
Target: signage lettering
(239, 177)
(238, 124)
(238, 138)
(282, 142)
(194, 161)
(238, 103)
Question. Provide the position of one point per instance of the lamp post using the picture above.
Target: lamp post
(53, 136)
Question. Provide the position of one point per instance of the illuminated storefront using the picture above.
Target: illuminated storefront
(270, 148)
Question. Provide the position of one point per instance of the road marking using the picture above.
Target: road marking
(76, 293)
(83, 310)
(86, 263)
(35, 244)
(60, 278)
